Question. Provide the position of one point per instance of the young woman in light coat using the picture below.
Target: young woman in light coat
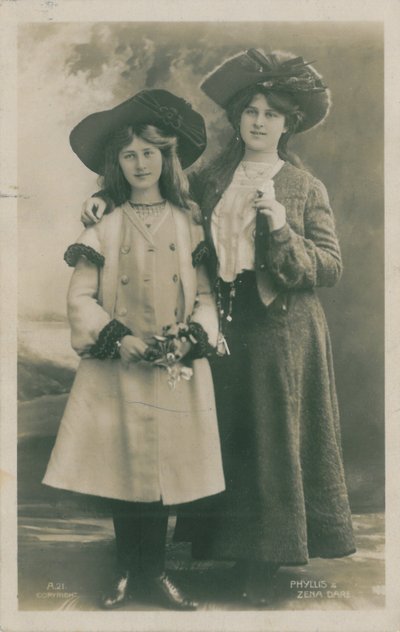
(126, 435)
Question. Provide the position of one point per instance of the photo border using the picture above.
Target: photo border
(16, 12)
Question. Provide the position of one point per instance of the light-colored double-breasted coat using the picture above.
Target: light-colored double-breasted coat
(125, 433)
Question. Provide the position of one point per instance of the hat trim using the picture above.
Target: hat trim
(325, 89)
(170, 117)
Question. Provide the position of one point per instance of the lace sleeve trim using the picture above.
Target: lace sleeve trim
(108, 342)
(200, 253)
(201, 347)
(75, 251)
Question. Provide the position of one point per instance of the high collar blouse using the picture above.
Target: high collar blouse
(234, 218)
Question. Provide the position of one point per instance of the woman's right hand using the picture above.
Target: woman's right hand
(132, 349)
(92, 211)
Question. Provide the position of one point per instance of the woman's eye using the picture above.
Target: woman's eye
(148, 153)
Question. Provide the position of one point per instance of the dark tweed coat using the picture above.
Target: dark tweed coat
(286, 497)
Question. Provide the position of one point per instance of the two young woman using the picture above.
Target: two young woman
(270, 241)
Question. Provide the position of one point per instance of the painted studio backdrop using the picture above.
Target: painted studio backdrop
(69, 70)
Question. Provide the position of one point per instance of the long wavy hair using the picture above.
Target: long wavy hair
(224, 165)
(173, 182)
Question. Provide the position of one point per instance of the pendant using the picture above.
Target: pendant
(222, 346)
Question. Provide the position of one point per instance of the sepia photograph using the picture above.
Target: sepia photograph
(201, 430)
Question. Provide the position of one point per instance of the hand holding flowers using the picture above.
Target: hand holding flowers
(168, 350)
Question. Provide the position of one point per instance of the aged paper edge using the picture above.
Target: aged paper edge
(14, 12)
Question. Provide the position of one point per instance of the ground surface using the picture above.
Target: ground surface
(66, 549)
(64, 564)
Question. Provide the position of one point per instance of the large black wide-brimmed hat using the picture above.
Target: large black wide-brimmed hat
(280, 72)
(161, 108)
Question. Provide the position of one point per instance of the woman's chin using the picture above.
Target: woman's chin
(259, 146)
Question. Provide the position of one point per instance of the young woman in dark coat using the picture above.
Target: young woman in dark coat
(270, 243)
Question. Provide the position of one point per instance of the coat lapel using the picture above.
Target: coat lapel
(138, 224)
(110, 238)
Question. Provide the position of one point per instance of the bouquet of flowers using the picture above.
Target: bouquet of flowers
(164, 352)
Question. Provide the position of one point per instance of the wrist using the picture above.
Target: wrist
(282, 234)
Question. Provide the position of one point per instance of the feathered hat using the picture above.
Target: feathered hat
(280, 72)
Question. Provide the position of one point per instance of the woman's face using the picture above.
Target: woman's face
(141, 164)
(261, 126)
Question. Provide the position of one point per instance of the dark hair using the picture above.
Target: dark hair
(173, 183)
(223, 166)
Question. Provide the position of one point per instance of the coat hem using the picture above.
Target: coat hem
(140, 499)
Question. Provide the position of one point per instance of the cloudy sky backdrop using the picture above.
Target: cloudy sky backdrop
(68, 70)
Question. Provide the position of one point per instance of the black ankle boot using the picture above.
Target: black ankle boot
(170, 596)
(118, 592)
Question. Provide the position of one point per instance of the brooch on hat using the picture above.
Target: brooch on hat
(170, 116)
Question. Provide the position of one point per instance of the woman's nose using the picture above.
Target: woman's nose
(139, 162)
(259, 122)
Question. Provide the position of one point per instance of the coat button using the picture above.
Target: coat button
(172, 247)
(125, 250)
(262, 266)
(261, 233)
(123, 311)
(124, 279)
(175, 278)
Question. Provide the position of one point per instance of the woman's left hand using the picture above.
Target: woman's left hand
(274, 211)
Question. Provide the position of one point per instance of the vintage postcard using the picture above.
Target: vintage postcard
(246, 158)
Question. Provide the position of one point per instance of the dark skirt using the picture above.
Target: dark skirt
(286, 497)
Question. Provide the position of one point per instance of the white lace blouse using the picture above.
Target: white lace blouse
(234, 217)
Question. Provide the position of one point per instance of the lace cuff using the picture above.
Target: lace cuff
(108, 342)
(200, 253)
(201, 347)
(75, 251)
